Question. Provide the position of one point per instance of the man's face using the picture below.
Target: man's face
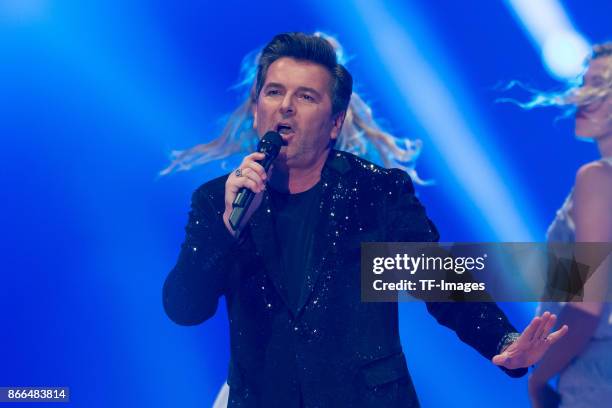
(295, 101)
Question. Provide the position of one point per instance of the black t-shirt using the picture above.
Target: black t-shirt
(294, 224)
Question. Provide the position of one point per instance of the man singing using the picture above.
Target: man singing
(299, 334)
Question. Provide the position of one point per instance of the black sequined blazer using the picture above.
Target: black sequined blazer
(333, 350)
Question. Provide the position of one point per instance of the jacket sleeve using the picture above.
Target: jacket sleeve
(193, 287)
(405, 217)
(482, 325)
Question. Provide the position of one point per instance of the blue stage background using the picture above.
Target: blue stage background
(94, 96)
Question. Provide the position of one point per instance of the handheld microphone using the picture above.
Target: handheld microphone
(270, 144)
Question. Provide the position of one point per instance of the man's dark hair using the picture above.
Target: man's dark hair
(308, 48)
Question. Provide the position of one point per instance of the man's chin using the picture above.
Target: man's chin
(286, 160)
(281, 159)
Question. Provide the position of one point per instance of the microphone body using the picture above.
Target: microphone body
(270, 145)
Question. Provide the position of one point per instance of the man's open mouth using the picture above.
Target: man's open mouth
(284, 129)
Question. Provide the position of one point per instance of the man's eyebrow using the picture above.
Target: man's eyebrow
(311, 90)
(301, 88)
(273, 85)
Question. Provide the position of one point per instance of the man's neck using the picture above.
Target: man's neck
(297, 180)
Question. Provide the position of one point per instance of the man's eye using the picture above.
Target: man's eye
(272, 92)
(308, 97)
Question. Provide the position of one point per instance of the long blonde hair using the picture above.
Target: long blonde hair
(576, 94)
(360, 134)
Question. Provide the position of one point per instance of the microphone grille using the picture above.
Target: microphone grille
(272, 137)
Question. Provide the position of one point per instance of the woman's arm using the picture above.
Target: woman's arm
(593, 220)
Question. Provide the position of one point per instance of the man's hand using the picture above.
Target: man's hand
(252, 176)
(531, 345)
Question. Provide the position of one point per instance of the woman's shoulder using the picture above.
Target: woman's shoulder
(595, 175)
(593, 202)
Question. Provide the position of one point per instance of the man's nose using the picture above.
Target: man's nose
(287, 108)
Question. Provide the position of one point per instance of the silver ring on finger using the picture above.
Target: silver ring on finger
(238, 172)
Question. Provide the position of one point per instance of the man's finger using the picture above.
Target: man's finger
(541, 330)
(257, 168)
(555, 336)
(254, 176)
(252, 158)
(248, 183)
(533, 327)
(546, 328)
(500, 359)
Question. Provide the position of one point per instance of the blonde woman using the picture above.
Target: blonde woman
(583, 359)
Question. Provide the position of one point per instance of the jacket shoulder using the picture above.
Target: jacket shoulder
(366, 170)
(213, 191)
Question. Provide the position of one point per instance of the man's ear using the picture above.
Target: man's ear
(337, 127)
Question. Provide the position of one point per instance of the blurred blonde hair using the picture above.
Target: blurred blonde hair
(576, 94)
(360, 134)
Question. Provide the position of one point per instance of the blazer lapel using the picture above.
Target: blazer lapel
(264, 237)
(331, 217)
(328, 230)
